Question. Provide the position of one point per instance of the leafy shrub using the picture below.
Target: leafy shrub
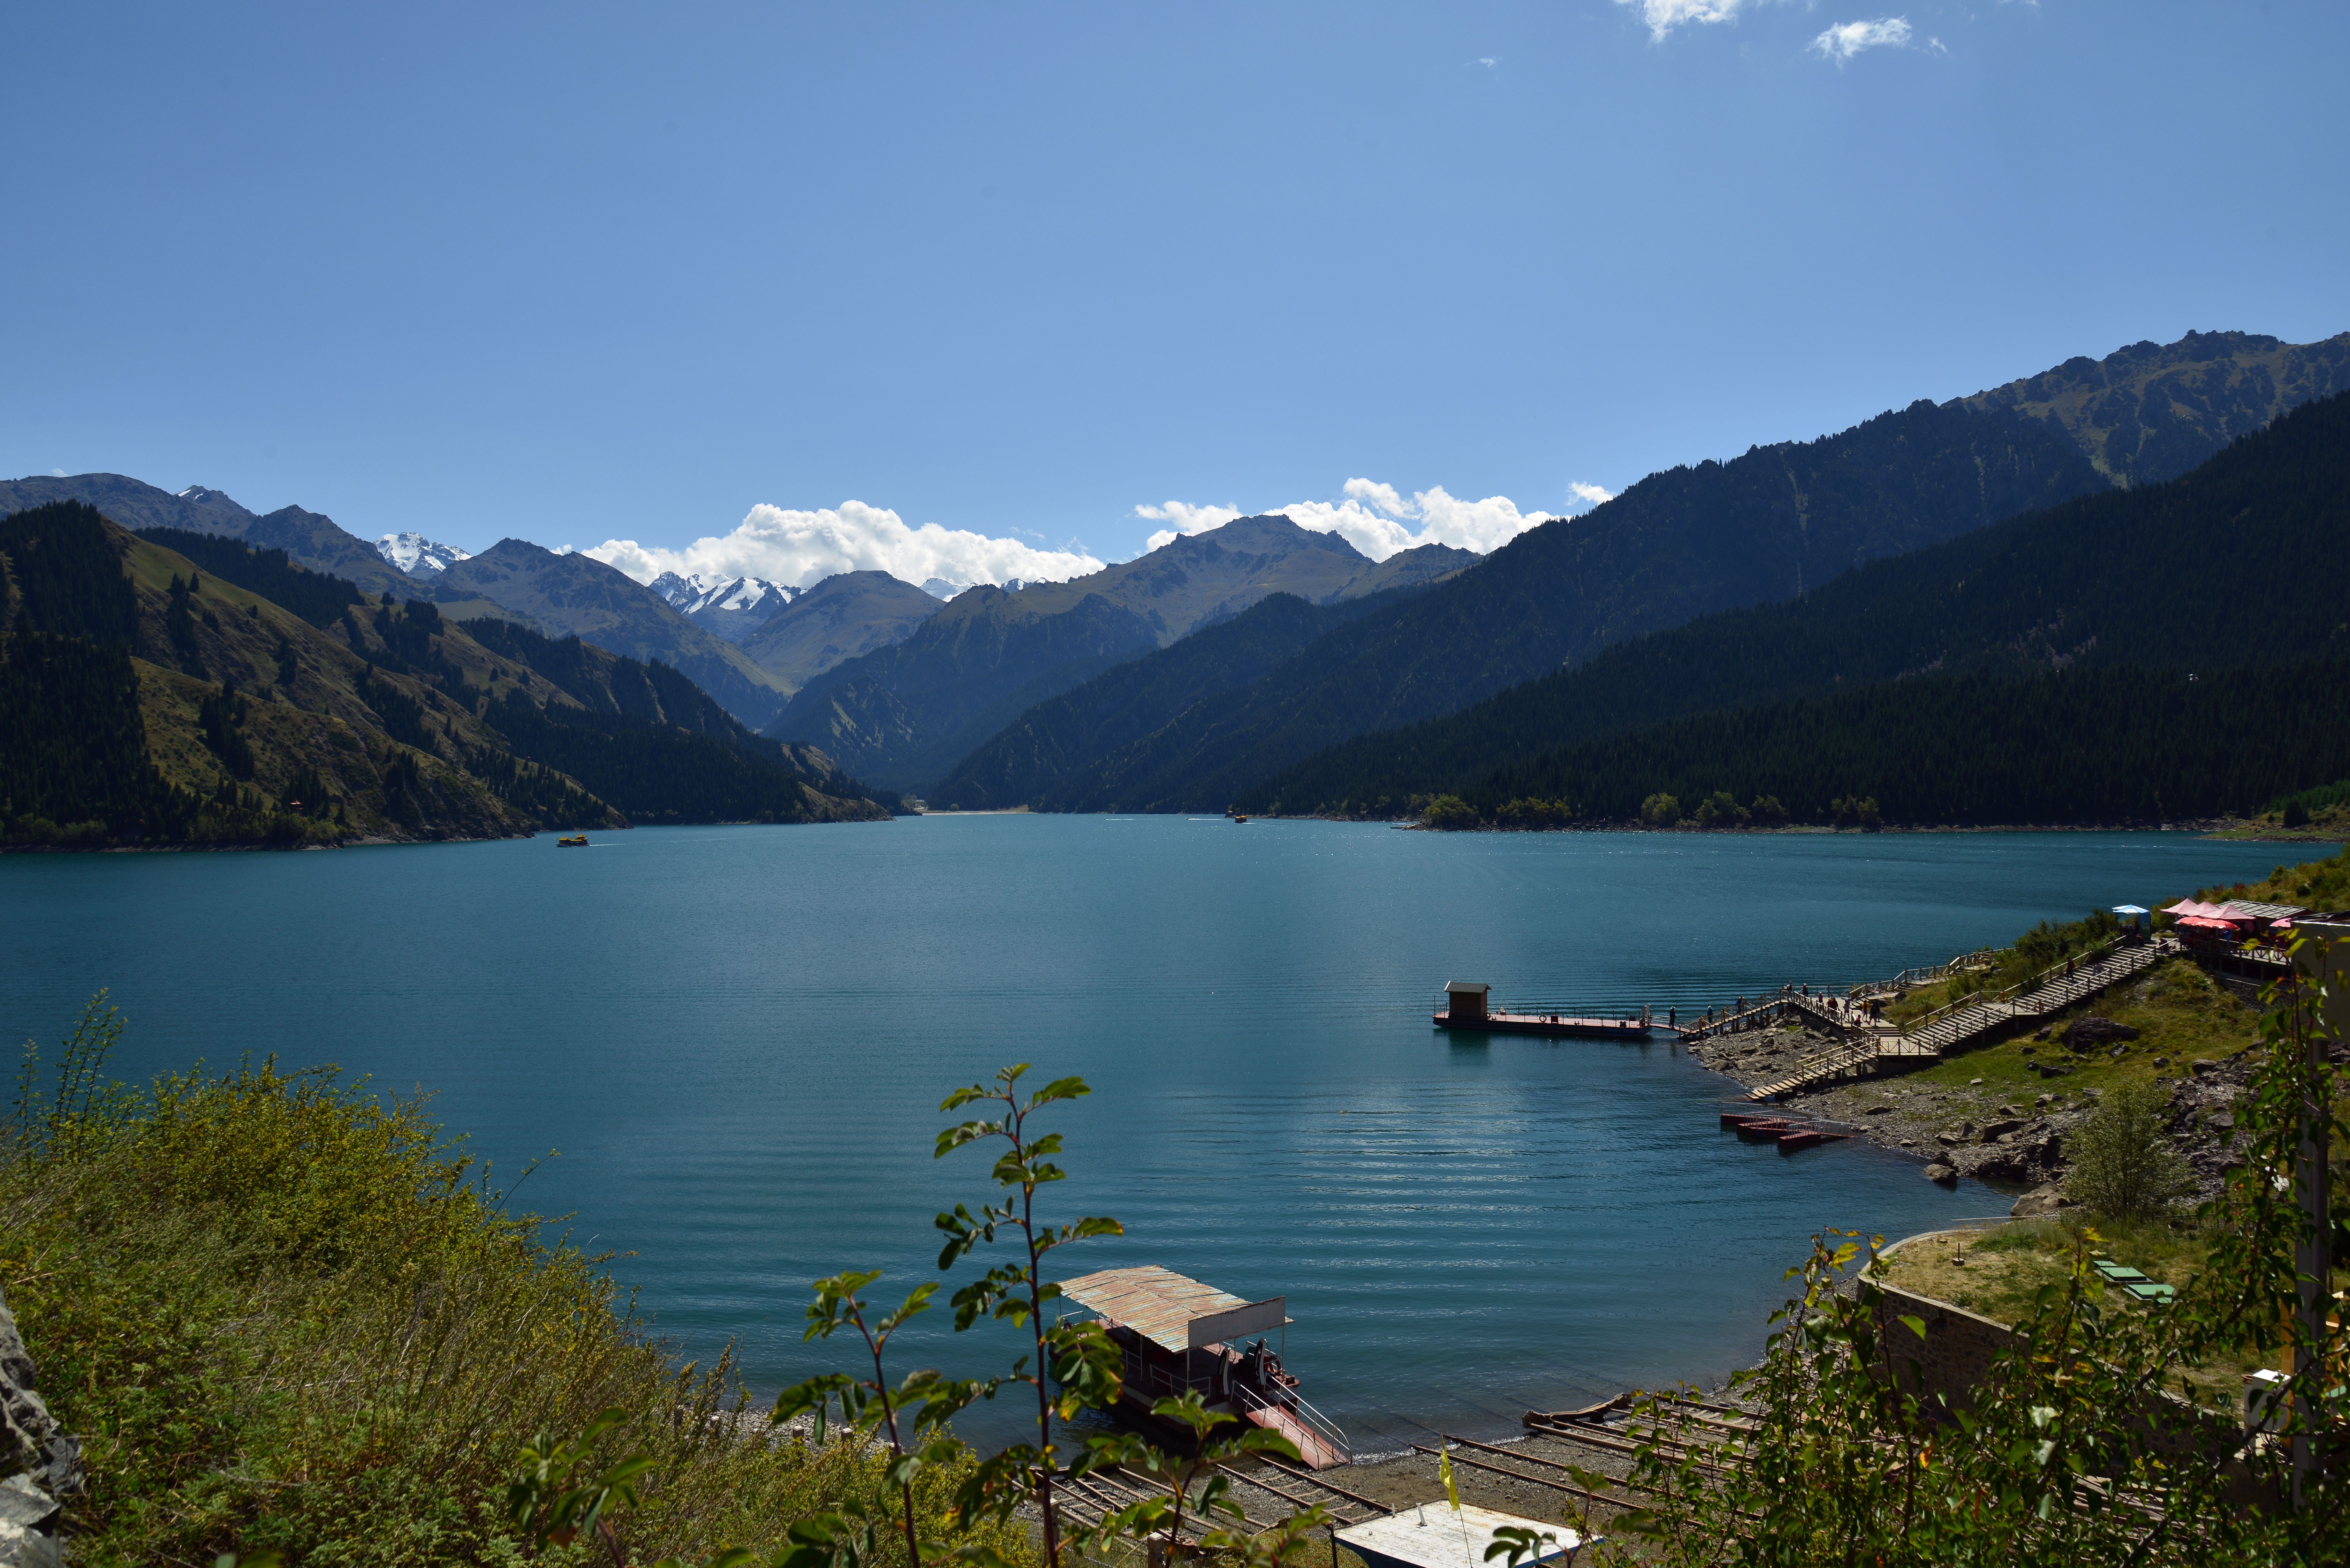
(1660, 810)
(1534, 813)
(1450, 812)
(287, 1314)
(1720, 809)
(2122, 1166)
(1855, 811)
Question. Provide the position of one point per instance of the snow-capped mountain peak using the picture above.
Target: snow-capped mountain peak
(733, 609)
(419, 556)
(753, 595)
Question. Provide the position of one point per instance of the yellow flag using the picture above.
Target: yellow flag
(1444, 1470)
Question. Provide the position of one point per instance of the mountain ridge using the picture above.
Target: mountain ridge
(152, 699)
(572, 593)
(2111, 578)
(904, 715)
(1694, 539)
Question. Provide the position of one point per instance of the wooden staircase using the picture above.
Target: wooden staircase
(1940, 1032)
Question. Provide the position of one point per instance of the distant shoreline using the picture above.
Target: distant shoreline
(2231, 829)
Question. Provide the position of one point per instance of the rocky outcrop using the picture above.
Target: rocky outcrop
(2083, 1032)
(42, 1465)
(2041, 1202)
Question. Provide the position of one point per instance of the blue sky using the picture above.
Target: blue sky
(580, 274)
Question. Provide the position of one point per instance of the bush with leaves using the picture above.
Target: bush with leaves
(2123, 1165)
(286, 1313)
(1071, 1365)
(1450, 812)
(2080, 1444)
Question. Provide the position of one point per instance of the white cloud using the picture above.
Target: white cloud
(799, 548)
(1843, 41)
(57, 473)
(1379, 520)
(1663, 15)
(1382, 496)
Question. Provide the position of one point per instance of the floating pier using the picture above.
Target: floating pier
(1465, 1004)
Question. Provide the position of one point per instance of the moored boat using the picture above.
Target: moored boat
(1181, 1335)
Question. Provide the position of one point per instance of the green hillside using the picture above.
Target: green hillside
(1033, 760)
(908, 713)
(150, 700)
(2242, 560)
(2095, 747)
(1676, 546)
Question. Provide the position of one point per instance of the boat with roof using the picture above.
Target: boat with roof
(1179, 1334)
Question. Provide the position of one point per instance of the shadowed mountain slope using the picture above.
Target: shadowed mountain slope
(1771, 523)
(2153, 410)
(2245, 560)
(1677, 544)
(904, 715)
(1033, 760)
(578, 596)
(837, 619)
(309, 539)
(147, 699)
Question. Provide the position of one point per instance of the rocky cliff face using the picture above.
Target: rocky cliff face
(2153, 410)
(41, 1464)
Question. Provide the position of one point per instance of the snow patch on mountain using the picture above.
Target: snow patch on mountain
(417, 555)
(733, 609)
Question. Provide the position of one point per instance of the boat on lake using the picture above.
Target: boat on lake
(577, 841)
(1181, 1335)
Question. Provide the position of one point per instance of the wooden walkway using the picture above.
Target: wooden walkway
(1876, 1043)
(1545, 1024)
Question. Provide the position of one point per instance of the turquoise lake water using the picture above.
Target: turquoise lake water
(738, 1037)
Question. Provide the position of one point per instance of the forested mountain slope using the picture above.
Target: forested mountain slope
(578, 596)
(308, 538)
(2246, 558)
(1773, 522)
(2113, 746)
(1677, 544)
(145, 699)
(1029, 761)
(906, 714)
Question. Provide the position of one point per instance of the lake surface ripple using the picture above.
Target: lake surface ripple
(738, 1038)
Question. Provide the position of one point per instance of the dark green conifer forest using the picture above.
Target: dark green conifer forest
(317, 596)
(2084, 747)
(199, 715)
(2242, 565)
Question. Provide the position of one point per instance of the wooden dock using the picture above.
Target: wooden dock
(1549, 1023)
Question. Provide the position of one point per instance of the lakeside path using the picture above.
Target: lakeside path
(2000, 1113)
